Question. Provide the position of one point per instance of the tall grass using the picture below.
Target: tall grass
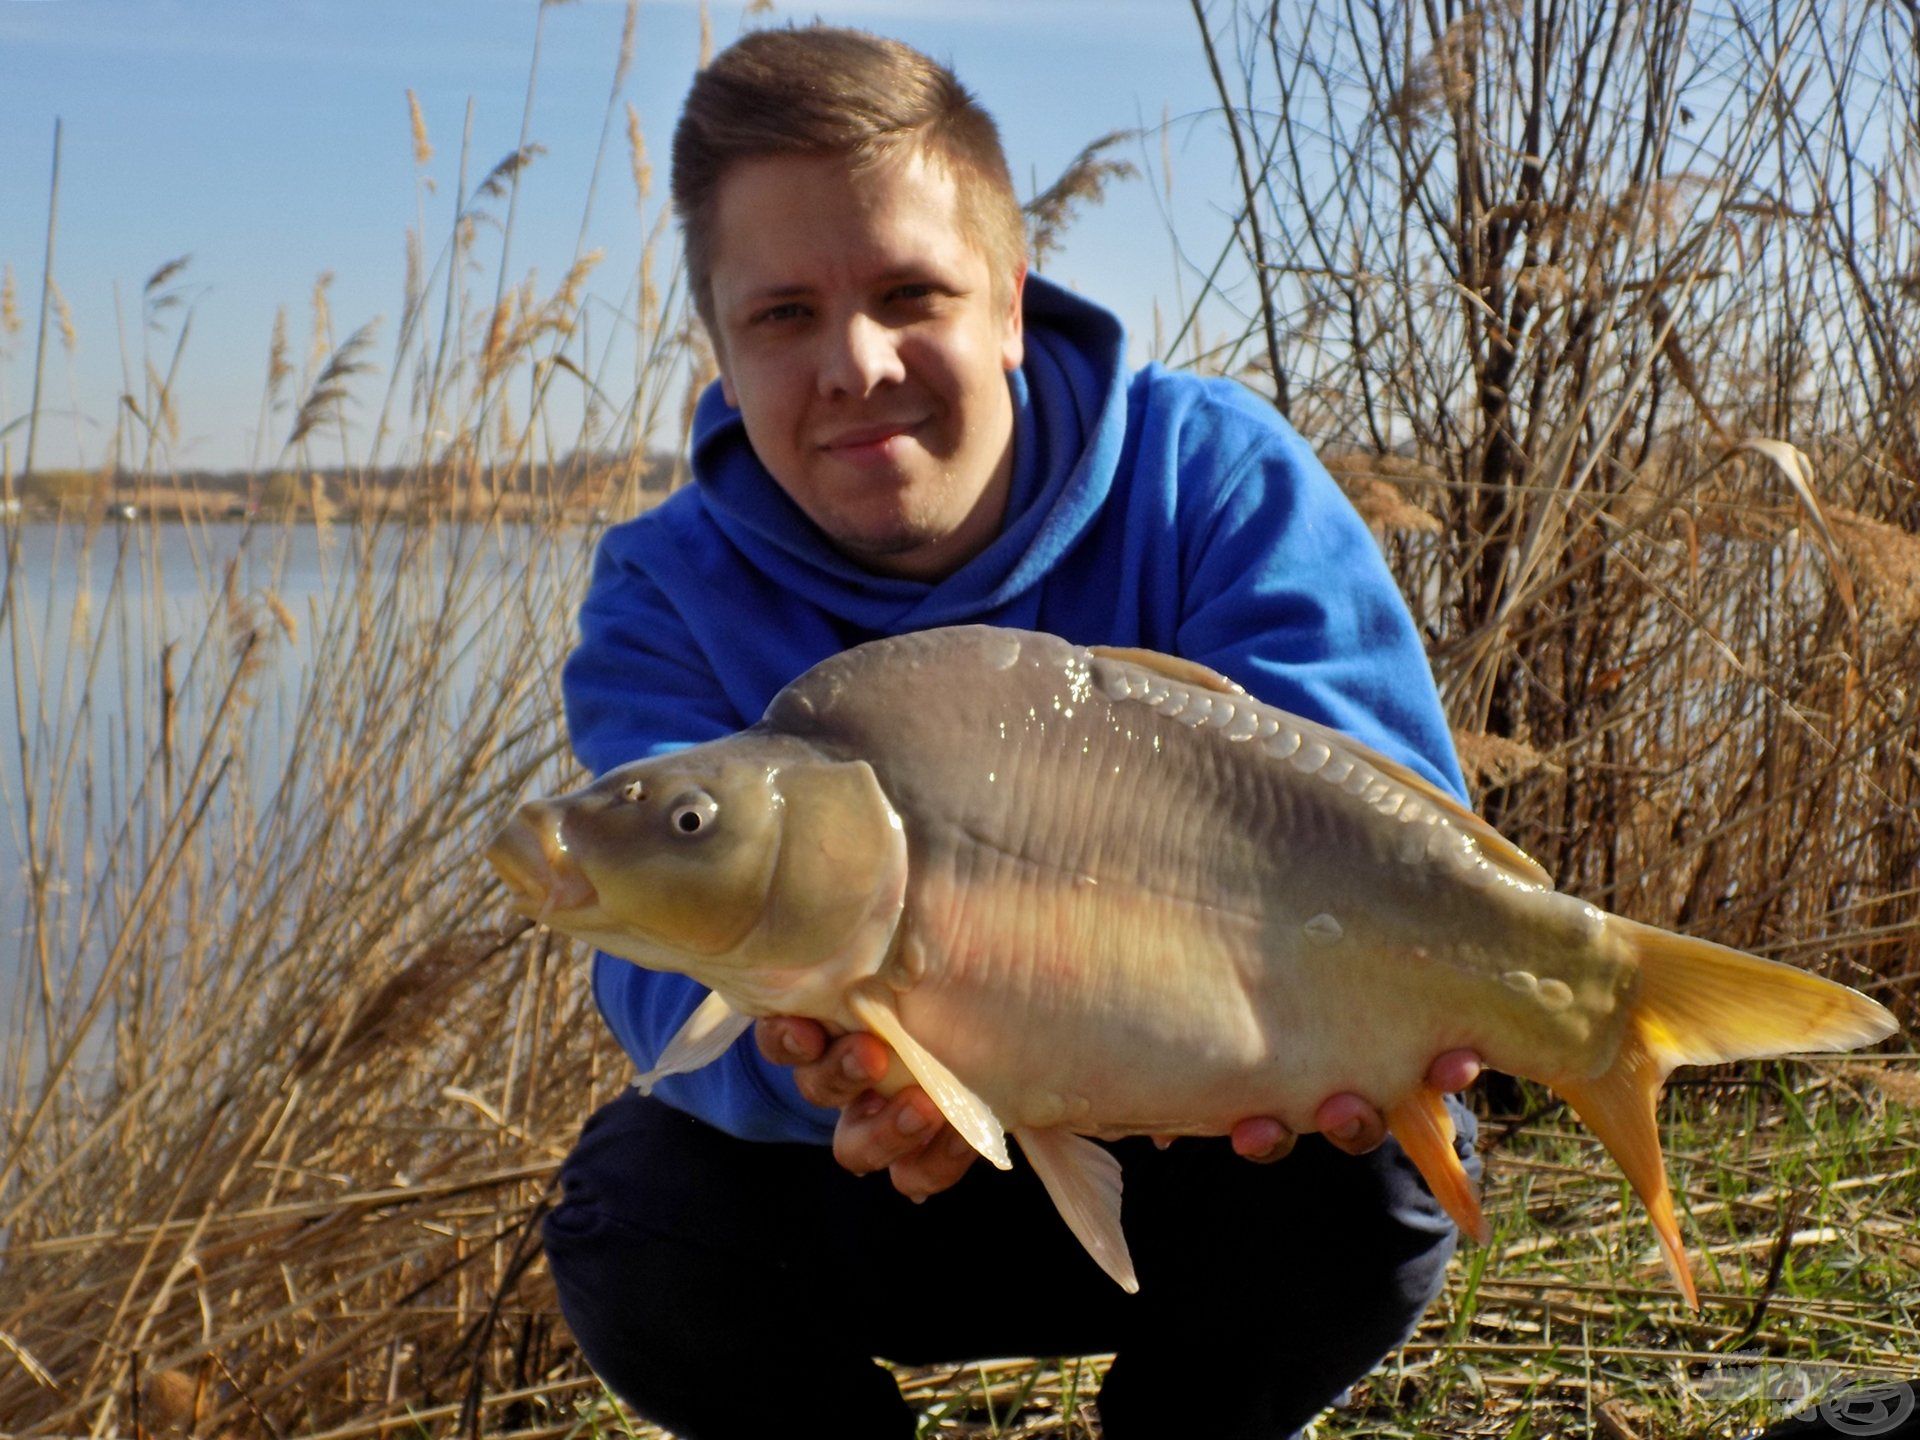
(1601, 314)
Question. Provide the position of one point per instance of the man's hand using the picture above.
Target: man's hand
(904, 1134)
(907, 1136)
(1349, 1122)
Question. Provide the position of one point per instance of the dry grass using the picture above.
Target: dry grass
(287, 1092)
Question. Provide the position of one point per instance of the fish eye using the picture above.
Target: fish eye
(635, 792)
(693, 812)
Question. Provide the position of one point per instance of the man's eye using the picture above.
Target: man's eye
(911, 294)
(774, 314)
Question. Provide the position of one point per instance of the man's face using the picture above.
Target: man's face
(859, 334)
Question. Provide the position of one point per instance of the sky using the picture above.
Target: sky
(271, 143)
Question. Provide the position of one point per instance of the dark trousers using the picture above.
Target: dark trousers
(729, 1290)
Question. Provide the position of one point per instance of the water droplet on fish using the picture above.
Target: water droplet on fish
(1323, 929)
(1556, 994)
(1521, 982)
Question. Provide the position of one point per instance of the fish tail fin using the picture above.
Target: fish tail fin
(1425, 1131)
(1618, 1106)
(1704, 1004)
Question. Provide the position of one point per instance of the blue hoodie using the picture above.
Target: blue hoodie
(1158, 510)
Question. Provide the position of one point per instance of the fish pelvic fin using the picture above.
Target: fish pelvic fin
(1699, 1003)
(965, 1111)
(1083, 1180)
(709, 1030)
(1425, 1131)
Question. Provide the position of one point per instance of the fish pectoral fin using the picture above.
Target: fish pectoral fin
(965, 1111)
(1084, 1180)
(1425, 1131)
(704, 1038)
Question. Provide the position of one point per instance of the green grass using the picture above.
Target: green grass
(1566, 1324)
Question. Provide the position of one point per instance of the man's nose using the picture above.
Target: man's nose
(862, 356)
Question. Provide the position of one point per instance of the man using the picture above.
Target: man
(911, 432)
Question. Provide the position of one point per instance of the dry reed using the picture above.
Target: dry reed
(287, 1091)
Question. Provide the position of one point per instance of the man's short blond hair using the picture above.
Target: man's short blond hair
(823, 91)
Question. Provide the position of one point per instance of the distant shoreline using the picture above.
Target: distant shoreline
(580, 492)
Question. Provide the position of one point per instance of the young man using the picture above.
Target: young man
(910, 432)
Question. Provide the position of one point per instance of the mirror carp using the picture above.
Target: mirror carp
(1100, 892)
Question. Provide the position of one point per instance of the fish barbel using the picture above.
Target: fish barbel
(1098, 892)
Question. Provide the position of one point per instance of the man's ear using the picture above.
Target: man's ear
(1013, 345)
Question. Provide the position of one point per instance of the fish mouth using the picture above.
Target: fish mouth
(530, 855)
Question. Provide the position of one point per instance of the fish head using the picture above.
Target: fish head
(673, 854)
(752, 853)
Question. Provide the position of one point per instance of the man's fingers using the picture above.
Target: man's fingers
(1353, 1124)
(1350, 1124)
(789, 1040)
(1262, 1140)
(935, 1166)
(874, 1132)
(1454, 1070)
(850, 1066)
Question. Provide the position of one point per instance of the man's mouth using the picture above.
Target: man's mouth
(868, 439)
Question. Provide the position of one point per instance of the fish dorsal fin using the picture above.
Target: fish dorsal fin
(965, 1111)
(1187, 672)
(1495, 846)
(1084, 1182)
(704, 1038)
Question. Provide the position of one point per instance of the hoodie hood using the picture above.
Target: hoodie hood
(1070, 418)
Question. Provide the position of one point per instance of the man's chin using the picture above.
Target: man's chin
(911, 552)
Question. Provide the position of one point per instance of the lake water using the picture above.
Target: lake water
(132, 653)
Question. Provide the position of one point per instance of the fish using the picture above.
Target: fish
(1092, 892)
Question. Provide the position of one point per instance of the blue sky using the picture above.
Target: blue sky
(270, 142)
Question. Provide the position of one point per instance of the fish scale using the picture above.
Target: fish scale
(1104, 892)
